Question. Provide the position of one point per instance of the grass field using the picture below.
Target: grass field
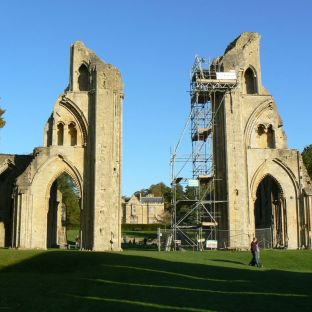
(57, 280)
(71, 235)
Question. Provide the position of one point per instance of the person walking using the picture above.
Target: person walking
(256, 250)
(252, 247)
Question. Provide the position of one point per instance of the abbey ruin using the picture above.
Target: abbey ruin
(248, 181)
(266, 182)
(83, 138)
(257, 181)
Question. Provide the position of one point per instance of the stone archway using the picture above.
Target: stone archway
(270, 210)
(64, 209)
(54, 219)
(83, 137)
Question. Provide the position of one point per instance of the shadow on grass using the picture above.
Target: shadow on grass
(139, 247)
(227, 261)
(91, 281)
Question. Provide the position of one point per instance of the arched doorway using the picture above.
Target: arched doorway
(270, 212)
(63, 218)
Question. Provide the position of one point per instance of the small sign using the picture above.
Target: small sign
(211, 244)
(193, 183)
(226, 75)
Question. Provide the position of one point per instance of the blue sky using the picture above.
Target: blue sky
(153, 42)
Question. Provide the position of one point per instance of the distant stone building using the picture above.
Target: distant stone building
(264, 182)
(82, 138)
(146, 210)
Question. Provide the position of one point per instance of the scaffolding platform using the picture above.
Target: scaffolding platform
(205, 81)
(212, 85)
(204, 179)
(212, 74)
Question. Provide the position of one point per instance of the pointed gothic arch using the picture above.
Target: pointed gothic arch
(82, 123)
(250, 81)
(63, 165)
(83, 78)
(254, 120)
(60, 133)
(55, 211)
(270, 210)
(72, 132)
(59, 206)
(270, 137)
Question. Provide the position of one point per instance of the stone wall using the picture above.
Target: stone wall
(250, 143)
(83, 138)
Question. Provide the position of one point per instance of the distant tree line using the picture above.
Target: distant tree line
(307, 159)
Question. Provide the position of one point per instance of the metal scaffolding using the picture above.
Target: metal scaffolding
(195, 218)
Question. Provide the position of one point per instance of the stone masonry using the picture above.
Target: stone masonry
(83, 138)
(264, 182)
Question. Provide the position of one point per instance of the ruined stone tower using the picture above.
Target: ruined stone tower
(263, 181)
(82, 138)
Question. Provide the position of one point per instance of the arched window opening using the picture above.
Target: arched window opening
(271, 137)
(250, 81)
(60, 134)
(261, 129)
(83, 78)
(49, 132)
(262, 136)
(63, 218)
(270, 213)
(72, 131)
(48, 138)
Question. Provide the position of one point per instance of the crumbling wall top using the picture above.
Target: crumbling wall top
(85, 64)
(243, 40)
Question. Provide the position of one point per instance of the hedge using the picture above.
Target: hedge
(141, 227)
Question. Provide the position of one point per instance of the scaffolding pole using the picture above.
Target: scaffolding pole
(194, 220)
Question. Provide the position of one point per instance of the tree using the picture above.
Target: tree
(180, 192)
(166, 217)
(70, 193)
(161, 190)
(2, 121)
(307, 158)
(190, 192)
(142, 192)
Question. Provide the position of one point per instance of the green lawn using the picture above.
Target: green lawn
(63, 280)
(71, 235)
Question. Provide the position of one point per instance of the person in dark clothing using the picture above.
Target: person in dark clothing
(255, 250)
(252, 247)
